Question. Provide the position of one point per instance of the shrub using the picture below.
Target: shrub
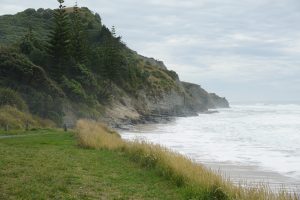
(12, 98)
(84, 76)
(172, 74)
(18, 70)
(73, 89)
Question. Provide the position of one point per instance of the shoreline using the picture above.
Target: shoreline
(198, 179)
(148, 119)
(251, 176)
(247, 175)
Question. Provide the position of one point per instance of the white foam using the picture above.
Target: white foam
(263, 135)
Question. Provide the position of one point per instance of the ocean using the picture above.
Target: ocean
(257, 143)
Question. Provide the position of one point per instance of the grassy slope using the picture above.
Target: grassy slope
(51, 166)
(17, 120)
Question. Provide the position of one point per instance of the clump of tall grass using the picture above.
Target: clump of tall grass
(95, 135)
(198, 181)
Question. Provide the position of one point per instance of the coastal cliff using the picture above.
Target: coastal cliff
(102, 79)
(183, 99)
(203, 100)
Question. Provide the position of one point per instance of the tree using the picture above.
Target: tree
(113, 32)
(78, 39)
(113, 58)
(33, 48)
(26, 45)
(59, 45)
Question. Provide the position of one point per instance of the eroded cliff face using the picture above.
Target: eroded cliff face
(198, 98)
(161, 96)
(201, 100)
(186, 100)
(146, 108)
(218, 102)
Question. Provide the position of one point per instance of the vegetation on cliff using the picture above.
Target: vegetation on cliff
(65, 64)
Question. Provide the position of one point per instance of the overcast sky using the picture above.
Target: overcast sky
(245, 50)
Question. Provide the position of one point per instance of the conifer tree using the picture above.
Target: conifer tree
(59, 45)
(113, 32)
(26, 45)
(33, 48)
(113, 57)
(78, 40)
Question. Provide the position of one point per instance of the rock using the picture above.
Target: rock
(210, 112)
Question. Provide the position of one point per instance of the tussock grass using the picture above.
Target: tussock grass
(198, 181)
(17, 119)
(98, 136)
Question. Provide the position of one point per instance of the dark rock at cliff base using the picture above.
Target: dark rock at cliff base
(210, 112)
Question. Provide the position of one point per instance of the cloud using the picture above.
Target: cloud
(224, 45)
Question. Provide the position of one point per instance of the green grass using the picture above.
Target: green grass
(37, 131)
(52, 166)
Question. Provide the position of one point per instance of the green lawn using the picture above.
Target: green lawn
(23, 132)
(52, 166)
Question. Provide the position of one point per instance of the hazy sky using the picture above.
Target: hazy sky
(241, 49)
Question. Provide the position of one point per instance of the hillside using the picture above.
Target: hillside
(97, 77)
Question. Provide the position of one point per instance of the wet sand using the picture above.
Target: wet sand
(253, 176)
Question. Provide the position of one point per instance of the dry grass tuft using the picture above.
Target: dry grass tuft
(95, 135)
(200, 182)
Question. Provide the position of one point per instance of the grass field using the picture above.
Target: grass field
(24, 132)
(52, 166)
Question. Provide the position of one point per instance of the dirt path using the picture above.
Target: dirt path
(16, 136)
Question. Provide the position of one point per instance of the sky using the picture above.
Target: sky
(244, 50)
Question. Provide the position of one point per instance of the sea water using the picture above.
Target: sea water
(260, 141)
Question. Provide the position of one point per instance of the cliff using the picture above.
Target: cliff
(187, 99)
(202, 100)
(123, 87)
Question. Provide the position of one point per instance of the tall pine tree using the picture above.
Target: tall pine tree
(113, 57)
(26, 45)
(59, 45)
(78, 39)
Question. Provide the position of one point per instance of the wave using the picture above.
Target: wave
(262, 135)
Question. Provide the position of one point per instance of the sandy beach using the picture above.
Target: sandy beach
(253, 176)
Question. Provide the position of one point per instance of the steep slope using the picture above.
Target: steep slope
(203, 100)
(145, 89)
(42, 95)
